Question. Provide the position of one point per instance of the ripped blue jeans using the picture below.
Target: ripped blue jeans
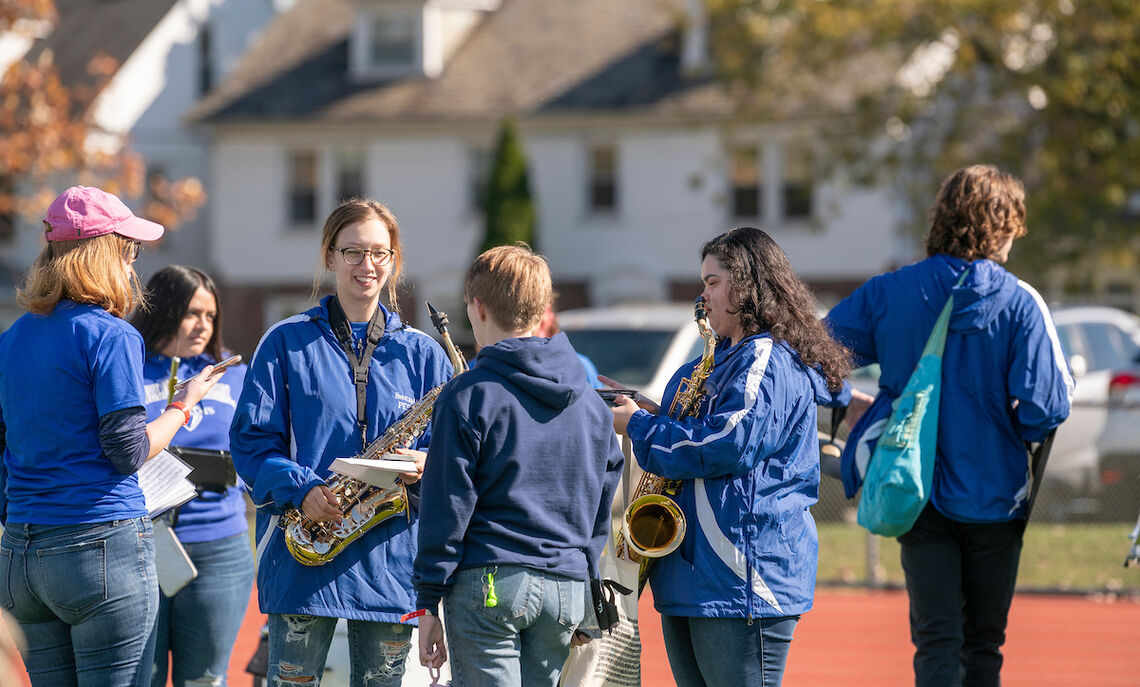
(299, 646)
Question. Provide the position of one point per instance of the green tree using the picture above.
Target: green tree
(1048, 90)
(508, 208)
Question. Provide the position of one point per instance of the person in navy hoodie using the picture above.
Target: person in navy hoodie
(521, 471)
(748, 458)
(77, 554)
(1004, 383)
(297, 412)
(198, 625)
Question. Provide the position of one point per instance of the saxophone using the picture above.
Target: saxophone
(653, 525)
(364, 506)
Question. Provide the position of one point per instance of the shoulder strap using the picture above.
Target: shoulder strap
(937, 341)
(359, 362)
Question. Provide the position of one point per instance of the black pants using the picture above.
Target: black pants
(960, 579)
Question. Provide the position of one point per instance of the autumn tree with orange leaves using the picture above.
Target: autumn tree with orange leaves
(46, 135)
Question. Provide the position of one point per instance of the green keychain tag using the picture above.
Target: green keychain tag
(489, 598)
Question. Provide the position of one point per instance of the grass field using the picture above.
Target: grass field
(1056, 557)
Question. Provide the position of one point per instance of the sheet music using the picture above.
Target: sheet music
(379, 472)
(164, 484)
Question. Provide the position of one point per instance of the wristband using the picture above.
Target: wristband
(415, 614)
(179, 405)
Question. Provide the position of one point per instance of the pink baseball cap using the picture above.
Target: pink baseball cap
(83, 212)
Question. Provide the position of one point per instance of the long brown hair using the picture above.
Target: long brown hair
(85, 271)
(769, 297)
(977, 209)
(351, 212)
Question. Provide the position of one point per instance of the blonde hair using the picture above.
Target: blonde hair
(513, 283)
(85, 271)
(351, 212)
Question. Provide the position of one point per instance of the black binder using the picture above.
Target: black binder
(213, 469)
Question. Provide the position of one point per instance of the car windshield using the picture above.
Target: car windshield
(630, 356)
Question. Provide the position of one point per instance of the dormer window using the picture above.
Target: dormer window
(388, 43)
(393, 41)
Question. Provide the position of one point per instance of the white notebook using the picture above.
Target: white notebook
(380, 472)
(164, 484)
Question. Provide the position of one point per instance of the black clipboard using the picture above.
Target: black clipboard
(213, 469)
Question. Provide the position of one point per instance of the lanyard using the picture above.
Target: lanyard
(359, 363)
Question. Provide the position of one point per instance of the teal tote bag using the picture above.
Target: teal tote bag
(901, 471)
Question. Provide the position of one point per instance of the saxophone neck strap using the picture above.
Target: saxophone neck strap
(359, 361)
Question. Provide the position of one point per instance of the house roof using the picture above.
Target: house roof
(88, 28)
(530, 57)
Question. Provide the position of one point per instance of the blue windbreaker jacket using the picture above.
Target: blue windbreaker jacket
(522, 469)
(1004, 378)
(296, 414)
(749, 458)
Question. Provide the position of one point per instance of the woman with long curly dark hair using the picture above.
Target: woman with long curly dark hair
(748, 459)
(1004, 383)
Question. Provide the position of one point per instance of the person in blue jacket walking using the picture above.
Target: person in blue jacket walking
(521, 471)
(296, 414)
(198, 625)
(748, 457)
(77, 554)
(1004, 383)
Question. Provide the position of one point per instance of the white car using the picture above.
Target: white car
(1102, 435)
(1097, 341)
(640, 346)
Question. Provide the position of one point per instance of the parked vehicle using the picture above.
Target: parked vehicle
(1098, 341)
(640, 346)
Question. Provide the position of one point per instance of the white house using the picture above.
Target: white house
(169, 53)
(636, 156)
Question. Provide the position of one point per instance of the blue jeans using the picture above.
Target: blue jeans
(524, 639)
(959, 578)
(299, 646)
(727, 652)
(86, 597)
(199, 624)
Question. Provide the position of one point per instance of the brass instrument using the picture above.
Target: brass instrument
(653, 525)
(362, 505)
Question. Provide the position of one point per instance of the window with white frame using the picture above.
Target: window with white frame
(392, 41)
(602, 178)
(798, 183)
(747, 177)
(479, 159)
(349, 178)
(301, 167)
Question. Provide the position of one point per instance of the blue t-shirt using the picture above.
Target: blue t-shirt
(59, 374)
(213, 515)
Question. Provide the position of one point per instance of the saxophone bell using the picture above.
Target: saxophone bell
(654, 527)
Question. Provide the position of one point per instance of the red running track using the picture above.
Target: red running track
(860, 638)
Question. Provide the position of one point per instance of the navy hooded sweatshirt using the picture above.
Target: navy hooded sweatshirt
(522, 468)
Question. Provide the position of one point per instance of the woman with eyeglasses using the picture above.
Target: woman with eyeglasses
(77, 554)
(303, 406)
(197, 624)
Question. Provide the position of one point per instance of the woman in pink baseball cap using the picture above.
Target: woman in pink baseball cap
(77, 550)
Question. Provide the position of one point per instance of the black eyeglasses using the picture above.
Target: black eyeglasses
(136, 248)
(355, 256)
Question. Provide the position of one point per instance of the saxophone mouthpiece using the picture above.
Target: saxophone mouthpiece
(439, 319)
(699, 310)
